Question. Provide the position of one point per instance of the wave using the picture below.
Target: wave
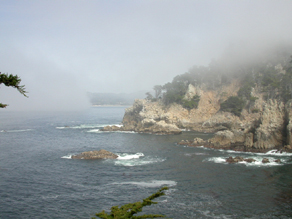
(69, 156)
(98, 131)
(126, 156)
(87, 126)
(258, 161)
(19, 130)
(152, 183)
(273, 152)
(134, 159)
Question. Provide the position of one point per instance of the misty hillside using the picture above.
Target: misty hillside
(123, 99)
(269, 72)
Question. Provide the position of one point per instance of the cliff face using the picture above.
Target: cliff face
(269, 126)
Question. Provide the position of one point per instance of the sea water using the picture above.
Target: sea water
(38, 178)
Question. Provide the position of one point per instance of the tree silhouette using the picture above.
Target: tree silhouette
(11, 81)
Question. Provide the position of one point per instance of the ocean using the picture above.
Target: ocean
(39, 180)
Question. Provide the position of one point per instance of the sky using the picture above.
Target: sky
(62, 49)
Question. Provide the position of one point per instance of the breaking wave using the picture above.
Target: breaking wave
(258, 161)
(87, 126)
(137, 159)
(19, 130)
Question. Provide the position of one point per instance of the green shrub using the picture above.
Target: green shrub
(233, 104)
(252, 98)
(191, 104)
(255, 110)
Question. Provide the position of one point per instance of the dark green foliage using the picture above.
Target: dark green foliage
(158, 91)
(233, 104)
(255, 110)
(264, 74)
(270, 79)
(149, 96)
(11, 81)
(191, 104)
(245, 91)
(247, 85)
(174, 92)
(286, 83)
(253, 99)
(127, 211)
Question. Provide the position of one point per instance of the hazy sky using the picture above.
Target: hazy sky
(62, 49)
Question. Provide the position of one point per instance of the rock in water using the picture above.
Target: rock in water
(265, 160)
(101, 154)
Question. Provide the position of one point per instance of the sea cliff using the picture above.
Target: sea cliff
(250, 111)
(268, 128)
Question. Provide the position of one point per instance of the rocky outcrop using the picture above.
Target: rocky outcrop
(148, 117)
(288, 117)
(101, 154)
(270, 133)
(263, 124)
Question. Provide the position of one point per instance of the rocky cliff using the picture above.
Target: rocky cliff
(267, 127)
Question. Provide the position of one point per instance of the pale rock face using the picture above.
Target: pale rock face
(289, 121)
(270, 132)
(260, 129)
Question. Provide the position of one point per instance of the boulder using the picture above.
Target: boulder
(101, 154)
(249, 160)
(198, 141)
(234, 160)
(278, 161)
(230, 160)
(265, 160)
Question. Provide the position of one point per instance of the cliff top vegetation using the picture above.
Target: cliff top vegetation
(271, 73)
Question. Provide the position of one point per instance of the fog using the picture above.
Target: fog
(63, 49)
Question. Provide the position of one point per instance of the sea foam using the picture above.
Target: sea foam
(137, 159)
(18, 130)
(126, 156)
(258, 161)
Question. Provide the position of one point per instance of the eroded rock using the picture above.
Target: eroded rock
(101, 154)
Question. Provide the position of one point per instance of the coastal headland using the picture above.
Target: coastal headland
(251, 111)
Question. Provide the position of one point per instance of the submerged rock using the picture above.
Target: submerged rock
(101, 154)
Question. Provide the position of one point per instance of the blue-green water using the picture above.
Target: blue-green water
(37, 180)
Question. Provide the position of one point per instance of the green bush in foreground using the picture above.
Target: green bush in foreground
(128, 210)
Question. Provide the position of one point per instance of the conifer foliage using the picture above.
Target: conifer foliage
(11, 81)
(127, 211)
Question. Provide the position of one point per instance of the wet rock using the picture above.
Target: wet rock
(278, 161)
(265, 160)
(182, 142)
(101, 154)
(111, 128)
(230, 160)
(198, 141)
(238, 159)
(249, 160)
(234, 160)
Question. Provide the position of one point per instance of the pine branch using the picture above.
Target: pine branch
(128, 210)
